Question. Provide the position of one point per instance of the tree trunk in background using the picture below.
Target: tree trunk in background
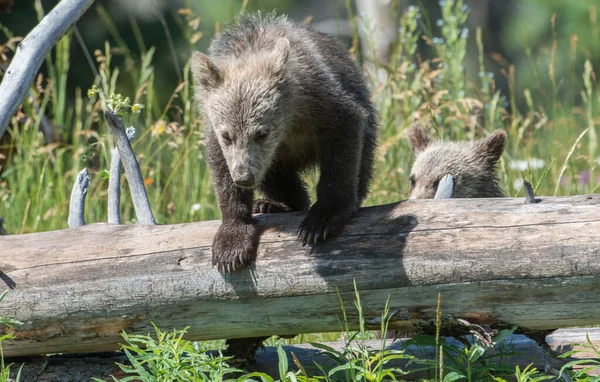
(378, 29)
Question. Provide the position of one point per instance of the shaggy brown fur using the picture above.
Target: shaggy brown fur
(278, 98)
(472, 164)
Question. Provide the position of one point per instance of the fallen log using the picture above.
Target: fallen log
(495, 262)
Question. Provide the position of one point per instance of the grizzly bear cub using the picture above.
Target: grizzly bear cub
(472, 165)
(277, 98)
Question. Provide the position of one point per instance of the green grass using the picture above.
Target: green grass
(552, 143)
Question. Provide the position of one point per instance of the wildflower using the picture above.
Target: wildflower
(137, 108)
(158, 128)
(464, 34)
(518, 184)
(91, 93)
(464, 8)
(437, 40)
(439, 23)
(584, 177)
(531, 163)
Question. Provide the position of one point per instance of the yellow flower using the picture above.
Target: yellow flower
(137, 108)
(158, 128)
(92, 91)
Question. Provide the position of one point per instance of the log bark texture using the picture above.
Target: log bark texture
(494, 261)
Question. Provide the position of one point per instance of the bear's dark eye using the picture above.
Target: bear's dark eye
(260, 135)
(412, 182)
(227, 138)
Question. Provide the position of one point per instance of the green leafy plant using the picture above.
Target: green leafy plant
(4, 368)
(168, 357)
(529, 374)
(588, 368)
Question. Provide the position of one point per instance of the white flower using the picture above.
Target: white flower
(531, 163)
(518, 184)
(195, 207)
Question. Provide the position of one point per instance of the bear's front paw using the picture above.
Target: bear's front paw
(234, 246)
(268, 206)
(322, 223)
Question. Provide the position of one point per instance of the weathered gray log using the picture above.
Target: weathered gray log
(77, 202)
(139, 197)
(31, 53)
(494, 261)
(114, 182)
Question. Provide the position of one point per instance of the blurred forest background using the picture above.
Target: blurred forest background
(511, 28)
(460, 68)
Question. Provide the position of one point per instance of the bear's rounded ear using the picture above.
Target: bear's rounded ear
(280, 54)
(205, 72)
(490, 149)
(418, 139)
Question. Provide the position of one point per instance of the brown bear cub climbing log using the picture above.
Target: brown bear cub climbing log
(277, 98)
(472, 164)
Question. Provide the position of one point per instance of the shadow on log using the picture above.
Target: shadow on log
(495, 262)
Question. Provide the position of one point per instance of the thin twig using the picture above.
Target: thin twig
(77, 206)
(445, 188)
(32, 51)
(114, 183)
(132, 169)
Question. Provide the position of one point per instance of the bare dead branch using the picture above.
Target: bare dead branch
(141, 204)
(78, 193)
(529, 195)
(32, 51)
(114, 183)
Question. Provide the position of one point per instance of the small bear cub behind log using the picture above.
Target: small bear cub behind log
(277, 98)
(472, 164)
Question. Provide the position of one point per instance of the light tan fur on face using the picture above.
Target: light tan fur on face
(248, 108)
(471, 164)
